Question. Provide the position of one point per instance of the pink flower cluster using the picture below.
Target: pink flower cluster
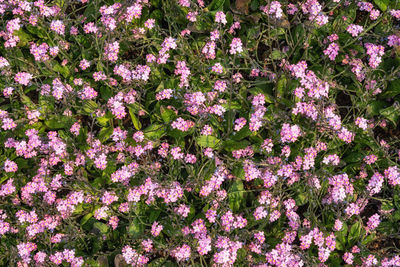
(275, 8)
(259, 111)
(375, 53)
(182, 125)
(23, 78)
(236, 46)
(332, 51)
(354, 29)
(290, 133)
(314, 10)
(340, 187)
(132, 257)
(111, 51)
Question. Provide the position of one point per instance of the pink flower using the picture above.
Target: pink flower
(191, 16)
(209, 50)
(8, 124)
(181, 253)
(57, 26)
(113, 222)
(23, 78)
(240, 123)
(156, 229)
(220, 17)
(373, 222)
(101, 213)
(375, 52)
(111, 51)
(348, 257)
(236, 46)
(220, 86)
(149, 24)
(134, 11)
(393, 175)
(331, 159)
(362, 123)
(290, 133)
(395, 14)
(332, 51)
(10, 166)
(217, 68)
(354, 29)
(370, 159)
(133, 258)
(3, 62)
(207, 130)
(183, 210)
(182, 124)
(75, 128)
(275, 8)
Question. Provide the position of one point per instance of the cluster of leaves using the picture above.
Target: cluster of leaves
(188, 133)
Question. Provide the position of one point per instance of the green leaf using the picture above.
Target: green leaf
(161, 262)
(216, 5)
(105, 133)
(38, 31)
(104, 120)
(392, 114)
(103, 228)
(375, 107)
(90, 11)
(99, 182)
(355, 233)
(238, 171)
(105, 92)
(160, 87)
(341, 237)
(277, 31)
(243, 133)
(276, 54)
(4, 178)
(27, 101)
(386, 228)
(86, 218)
(90, 106)
(167, 114)
(63, 70)
(382, 4)
(301, 199)
(368, 239)
(387, 205)
(59, 3)
(154, 215)
(258, 90)
(230, 145)
(207, 141)
(281, 86)
(354, 157)
(24, 37)
(135, 228)
(154, 131)
(236, 195)
(233, 105)
(135, 120)
(393, 89)
(57, 122)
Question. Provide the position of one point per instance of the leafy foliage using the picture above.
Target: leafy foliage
(199, 133)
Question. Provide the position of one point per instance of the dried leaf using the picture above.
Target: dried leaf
(119, 261)
(242, 6)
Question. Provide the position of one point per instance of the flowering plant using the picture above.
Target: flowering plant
(199, 133)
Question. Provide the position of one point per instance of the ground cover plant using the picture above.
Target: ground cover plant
(199, 133)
